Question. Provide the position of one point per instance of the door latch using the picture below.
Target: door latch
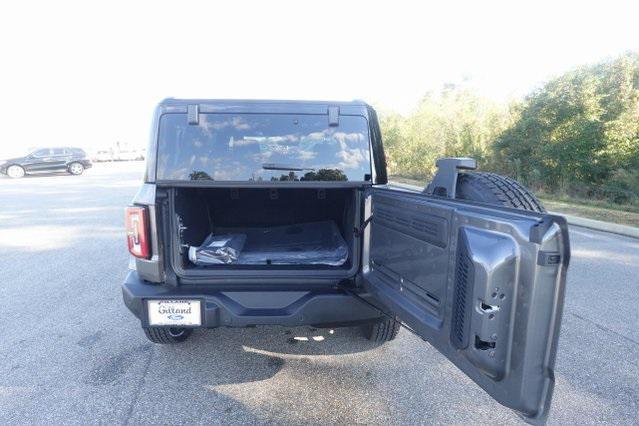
(548, 258)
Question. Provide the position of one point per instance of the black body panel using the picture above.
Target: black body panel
(317, 307)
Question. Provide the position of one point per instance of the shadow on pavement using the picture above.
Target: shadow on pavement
(262, 374)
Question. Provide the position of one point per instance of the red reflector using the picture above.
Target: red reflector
(137, 231)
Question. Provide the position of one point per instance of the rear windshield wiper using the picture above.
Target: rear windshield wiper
(274, 166)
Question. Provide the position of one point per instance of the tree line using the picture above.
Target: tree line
(577, 135)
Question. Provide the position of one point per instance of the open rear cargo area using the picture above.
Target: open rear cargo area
(222, 229)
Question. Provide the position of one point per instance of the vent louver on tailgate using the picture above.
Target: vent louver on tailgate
(462, 295)
(432, 229)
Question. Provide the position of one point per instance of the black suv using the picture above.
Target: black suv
(64, 159)
(279, 212)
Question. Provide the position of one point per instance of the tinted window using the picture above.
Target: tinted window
(263, 147)
(75, 151)
(58, 151)
(42, 153)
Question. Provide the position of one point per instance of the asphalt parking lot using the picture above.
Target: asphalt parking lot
(71, 353)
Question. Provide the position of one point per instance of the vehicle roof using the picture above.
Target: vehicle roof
(37, 148)
(264, 106)
(175, 101)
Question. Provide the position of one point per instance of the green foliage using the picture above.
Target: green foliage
(455, 122)
(579, 133)
(576, 131)
(330, 175)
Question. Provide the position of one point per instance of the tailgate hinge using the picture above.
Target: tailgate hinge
(333, 116)
(359, 231)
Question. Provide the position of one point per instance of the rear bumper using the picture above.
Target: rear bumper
(247, 308)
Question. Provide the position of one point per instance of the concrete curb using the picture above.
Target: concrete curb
(407, 186)
(598, 225)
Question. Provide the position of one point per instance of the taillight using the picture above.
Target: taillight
(137, 231)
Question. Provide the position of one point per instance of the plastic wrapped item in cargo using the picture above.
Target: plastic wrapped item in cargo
(315, 243)
(218, 249)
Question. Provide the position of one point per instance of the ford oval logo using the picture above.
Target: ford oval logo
(176, 317)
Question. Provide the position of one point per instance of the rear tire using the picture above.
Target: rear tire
(495, 189)
(76, 169)
(383, 331)
(167, 335)
(15, 171)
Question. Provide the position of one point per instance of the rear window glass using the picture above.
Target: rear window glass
(263, 147)
(75, 151)
(42, 152)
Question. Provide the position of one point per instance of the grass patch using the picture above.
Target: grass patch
(591, 210)
(589, 202)
(409, 181)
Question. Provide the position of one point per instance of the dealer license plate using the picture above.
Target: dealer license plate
(174, 312)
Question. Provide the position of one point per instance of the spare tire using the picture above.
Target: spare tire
(492, 188)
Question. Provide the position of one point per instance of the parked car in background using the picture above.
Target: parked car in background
(141, 154)
(61, 159)
(119, 154)
(103, 155)
(128, 155)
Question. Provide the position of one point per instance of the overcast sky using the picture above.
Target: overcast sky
(89, 73)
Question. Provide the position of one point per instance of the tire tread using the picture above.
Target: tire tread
(383, 331)
(162, 336)
(507, 191)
